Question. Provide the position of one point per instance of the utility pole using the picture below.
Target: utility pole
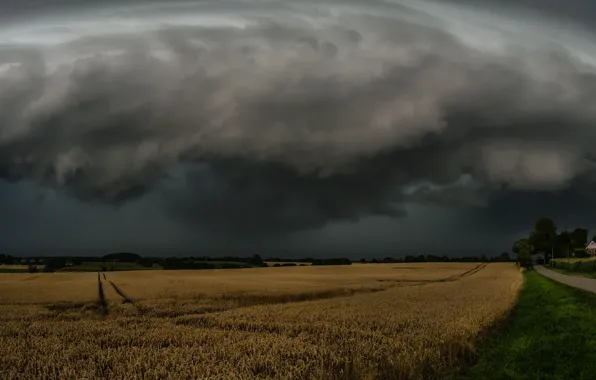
(552, 251)
(568, 241)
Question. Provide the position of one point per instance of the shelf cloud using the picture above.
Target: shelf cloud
(269, 117)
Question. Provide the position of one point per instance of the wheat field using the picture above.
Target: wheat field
(369, 321)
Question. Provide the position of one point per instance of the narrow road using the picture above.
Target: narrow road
(587, 284)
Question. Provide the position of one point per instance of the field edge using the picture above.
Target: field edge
(549, 335)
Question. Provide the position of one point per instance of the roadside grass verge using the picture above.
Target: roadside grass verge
(576, 274)
(551, 335)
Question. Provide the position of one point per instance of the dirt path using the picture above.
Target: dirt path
(587, 284)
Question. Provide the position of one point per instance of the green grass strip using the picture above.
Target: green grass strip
(550, 335)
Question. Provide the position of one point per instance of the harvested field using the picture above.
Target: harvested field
(362, 321)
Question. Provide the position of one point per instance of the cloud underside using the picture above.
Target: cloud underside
(279, 126)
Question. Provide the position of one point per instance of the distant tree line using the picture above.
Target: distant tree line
(547, 240)
(203, 262)
(334, 261)
(52, 264)
(503, 257)
(298, 260)
(229, 262)
(7, 260)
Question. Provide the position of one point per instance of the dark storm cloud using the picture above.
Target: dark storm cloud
(279, 126)
(514, 211)
(578, 11)
(247, 197)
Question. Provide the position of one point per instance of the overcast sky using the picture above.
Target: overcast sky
(354, 128)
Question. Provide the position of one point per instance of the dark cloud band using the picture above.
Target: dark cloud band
(277, 125)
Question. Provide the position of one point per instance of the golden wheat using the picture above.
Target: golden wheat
(189, 283)
(364, 321)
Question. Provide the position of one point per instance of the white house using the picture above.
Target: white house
(591, 249)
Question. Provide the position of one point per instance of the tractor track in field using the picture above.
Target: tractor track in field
(470, 272)
(103, 303)
(248, 301)
(126, 298)
(456, 277)
(31, 278)
(117, 289)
